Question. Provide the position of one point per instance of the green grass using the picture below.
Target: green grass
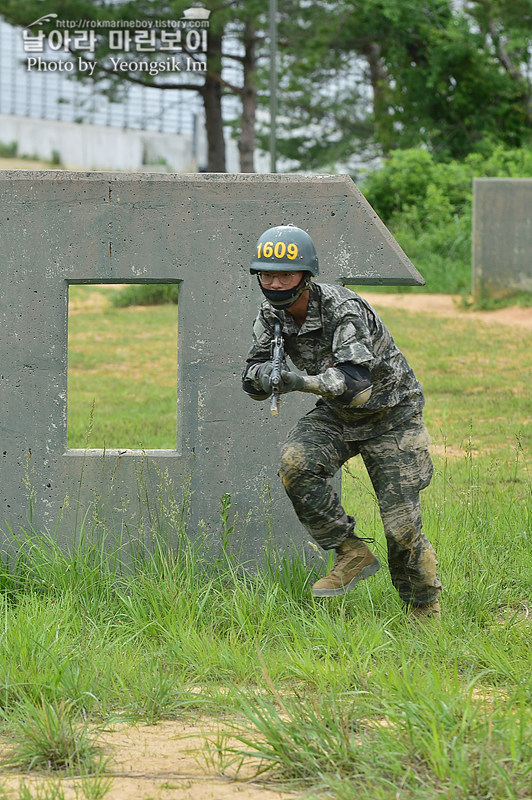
(340, 697)
(51, 737)
(476, 378)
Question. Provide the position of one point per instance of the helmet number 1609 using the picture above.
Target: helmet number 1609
(280, 250)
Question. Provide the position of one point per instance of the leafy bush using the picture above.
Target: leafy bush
(8, 150)
(428, 207)
(146, 294)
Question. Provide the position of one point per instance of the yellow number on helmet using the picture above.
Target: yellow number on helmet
(267, 250)
(292, 251)
(279, 250)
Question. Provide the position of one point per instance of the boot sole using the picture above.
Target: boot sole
(366, 572)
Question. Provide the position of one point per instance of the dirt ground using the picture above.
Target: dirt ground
(437, 305)
(168, 761)
(444, 305)
(23, 163)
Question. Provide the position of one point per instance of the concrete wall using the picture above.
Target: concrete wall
(502, 236)
(58, 228)
(82, 146)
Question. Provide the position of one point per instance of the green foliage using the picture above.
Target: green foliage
(451, 92)
(363, 79)
(146, 294)
(427, 205)
(8, 150)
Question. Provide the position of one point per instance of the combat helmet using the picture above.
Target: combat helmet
(285, 248)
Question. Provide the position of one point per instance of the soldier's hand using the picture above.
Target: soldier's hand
(291, 381)
(328, 384)
(263, 376)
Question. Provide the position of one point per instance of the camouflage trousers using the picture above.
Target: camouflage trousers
(399, 465)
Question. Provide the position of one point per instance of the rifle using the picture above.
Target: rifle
(278, 363)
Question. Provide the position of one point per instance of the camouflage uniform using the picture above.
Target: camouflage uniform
(387, 431)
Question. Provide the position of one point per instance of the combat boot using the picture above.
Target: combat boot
(425, 612)
(354, 562)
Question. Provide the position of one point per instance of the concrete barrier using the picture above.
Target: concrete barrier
(60, 228)
(502, 236)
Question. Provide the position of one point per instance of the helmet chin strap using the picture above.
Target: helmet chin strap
(284, 298)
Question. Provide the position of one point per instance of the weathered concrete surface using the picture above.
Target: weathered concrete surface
(502, 236)
(58, 228)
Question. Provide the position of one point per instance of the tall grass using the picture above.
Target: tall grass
(343, 694)
(420, 736)
(335, 693)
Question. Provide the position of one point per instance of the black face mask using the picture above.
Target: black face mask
(284, 298)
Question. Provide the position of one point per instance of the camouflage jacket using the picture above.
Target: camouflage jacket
(340, 327)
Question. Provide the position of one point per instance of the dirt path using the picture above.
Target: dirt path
(24, 163)
(437, 305)
(168, 761)
(444, 305)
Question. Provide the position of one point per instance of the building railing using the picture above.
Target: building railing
(59, 96)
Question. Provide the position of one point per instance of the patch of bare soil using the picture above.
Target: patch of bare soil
(168, 761)
(521, 614)
(444, 305)
(449, 451)
(24, 163)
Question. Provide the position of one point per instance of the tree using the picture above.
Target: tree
(324, 103)
(437, 75)
(506, 27)
(358, 79)
(451, 89)
(234, 21)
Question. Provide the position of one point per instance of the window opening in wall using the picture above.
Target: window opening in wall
(122, 366)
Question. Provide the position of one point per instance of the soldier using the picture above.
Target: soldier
(370, 404)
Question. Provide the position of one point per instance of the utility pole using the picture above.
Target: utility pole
(273, 84)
